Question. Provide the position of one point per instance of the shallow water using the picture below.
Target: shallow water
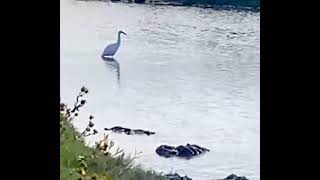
(191, 75)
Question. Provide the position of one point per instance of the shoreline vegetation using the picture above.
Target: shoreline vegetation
(79, 161)
(249, 5)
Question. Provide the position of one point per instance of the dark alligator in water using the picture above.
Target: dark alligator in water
(234, 177)
(128, 131)
(176, 176)
(188, 151)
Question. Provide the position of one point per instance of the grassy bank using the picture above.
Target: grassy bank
(78, 161)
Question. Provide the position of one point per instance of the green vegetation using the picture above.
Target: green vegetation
(79, 161)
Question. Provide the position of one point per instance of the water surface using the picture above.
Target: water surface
(191, 75)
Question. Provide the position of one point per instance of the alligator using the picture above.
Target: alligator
(234, 177)
(176, 176)
(188, 151)
(128, 131)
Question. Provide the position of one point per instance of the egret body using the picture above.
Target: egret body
(111, 49)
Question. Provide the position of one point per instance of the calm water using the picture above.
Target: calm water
(191, 75)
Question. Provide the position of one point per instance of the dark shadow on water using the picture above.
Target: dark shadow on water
(114, 64)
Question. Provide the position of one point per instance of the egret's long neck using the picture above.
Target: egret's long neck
(119, 38)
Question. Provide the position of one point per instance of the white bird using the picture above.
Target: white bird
(111, 49)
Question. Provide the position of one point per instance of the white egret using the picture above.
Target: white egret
(111, 49)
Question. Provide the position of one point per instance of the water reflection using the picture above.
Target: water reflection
(114, 64)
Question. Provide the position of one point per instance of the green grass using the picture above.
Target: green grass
(98, 165)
